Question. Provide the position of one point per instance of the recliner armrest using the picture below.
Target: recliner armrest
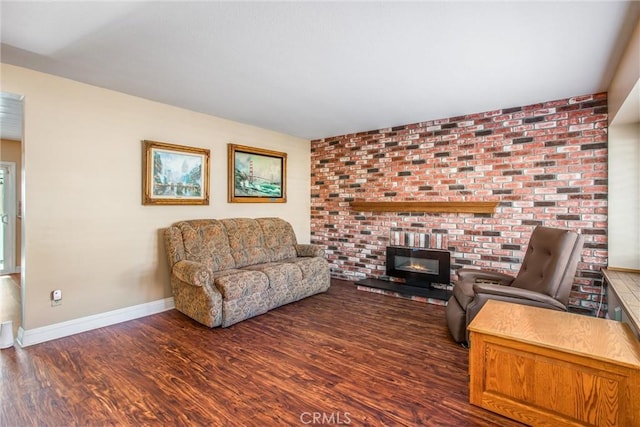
(309, 250)
(523, 294)
(472, 274)
(193, 273)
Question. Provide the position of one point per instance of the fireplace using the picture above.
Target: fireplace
(418, 266)
(423, 273)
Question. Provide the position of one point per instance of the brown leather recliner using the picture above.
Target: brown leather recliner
(544, 280)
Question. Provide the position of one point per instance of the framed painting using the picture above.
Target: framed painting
(174, 174)
(256, 175)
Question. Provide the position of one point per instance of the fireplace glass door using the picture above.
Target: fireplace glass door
(416, 265)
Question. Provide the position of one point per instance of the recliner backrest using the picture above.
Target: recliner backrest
(246, 241)
(200, 240)
(550, 263)
(279, 238)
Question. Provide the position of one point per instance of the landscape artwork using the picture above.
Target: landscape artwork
(175, 174)
(256, 175)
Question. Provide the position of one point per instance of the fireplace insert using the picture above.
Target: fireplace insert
(418, 266)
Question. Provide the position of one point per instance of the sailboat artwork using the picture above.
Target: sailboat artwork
(256, 175)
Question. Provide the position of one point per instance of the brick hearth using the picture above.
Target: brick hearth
(544, 164)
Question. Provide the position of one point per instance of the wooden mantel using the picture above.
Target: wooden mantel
(430, 207)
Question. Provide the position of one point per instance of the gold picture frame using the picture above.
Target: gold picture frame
(256, 175)
(174, 174)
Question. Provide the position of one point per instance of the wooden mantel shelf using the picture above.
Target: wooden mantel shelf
(437, 207)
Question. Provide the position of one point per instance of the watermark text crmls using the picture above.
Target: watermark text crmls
(326, 418)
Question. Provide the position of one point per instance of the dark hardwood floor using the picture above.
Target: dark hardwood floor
(345, 357)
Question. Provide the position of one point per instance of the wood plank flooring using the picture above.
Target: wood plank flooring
(345, 357)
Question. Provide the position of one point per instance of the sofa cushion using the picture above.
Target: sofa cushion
(205, 241)
(285, 282)
(279, 274)
(279, 238)
(310, 266)
(234, 284)
(246, 241)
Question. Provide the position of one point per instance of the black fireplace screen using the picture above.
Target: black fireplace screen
(419, 267)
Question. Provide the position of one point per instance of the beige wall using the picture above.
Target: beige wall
(624, 196)
(87, 232)
(624, 159)
(11, 151)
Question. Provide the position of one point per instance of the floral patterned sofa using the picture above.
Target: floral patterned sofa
(224, 271)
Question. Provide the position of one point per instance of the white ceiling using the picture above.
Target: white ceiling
(318, 69)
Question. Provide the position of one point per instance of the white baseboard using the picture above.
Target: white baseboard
(64, 329)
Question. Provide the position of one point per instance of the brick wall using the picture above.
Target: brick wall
(545, 164)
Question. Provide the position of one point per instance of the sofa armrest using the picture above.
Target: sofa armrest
(516, 293)
(193, 273)
(308, 250)
(475, 275)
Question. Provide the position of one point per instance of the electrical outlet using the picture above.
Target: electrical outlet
(56, 298)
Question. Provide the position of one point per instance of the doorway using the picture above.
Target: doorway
(12, 284)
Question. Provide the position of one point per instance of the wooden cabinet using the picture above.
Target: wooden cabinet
(546, 367)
